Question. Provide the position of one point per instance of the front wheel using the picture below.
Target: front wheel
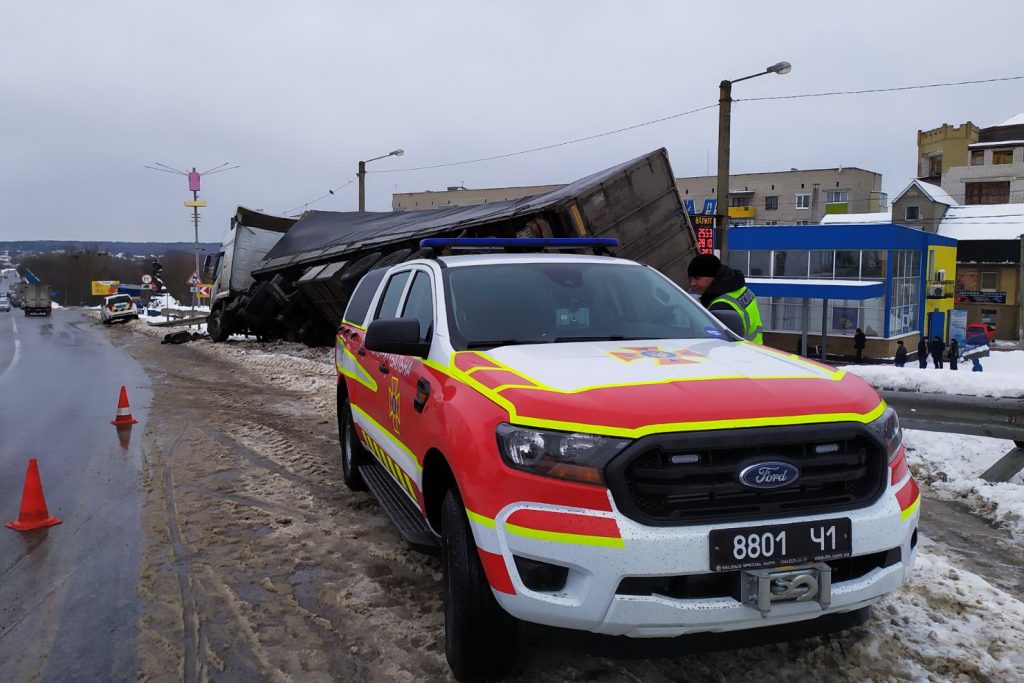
(352, 452)
(215, 326)
(480, 637)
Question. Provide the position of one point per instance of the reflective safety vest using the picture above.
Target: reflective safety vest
(744, 302)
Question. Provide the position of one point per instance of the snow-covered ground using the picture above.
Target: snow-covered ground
(947, 623)
(1002, 376)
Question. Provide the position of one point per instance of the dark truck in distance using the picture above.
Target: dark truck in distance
(285, 278)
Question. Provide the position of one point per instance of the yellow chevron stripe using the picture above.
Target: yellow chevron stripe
(911, 509)
(559, 537)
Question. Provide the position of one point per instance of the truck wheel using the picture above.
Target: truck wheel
(215, 326)
(480, 637)
(352, 452)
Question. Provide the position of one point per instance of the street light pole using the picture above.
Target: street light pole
(361, 174)
(724, 133)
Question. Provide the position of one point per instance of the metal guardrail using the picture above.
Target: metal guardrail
(1000, 418)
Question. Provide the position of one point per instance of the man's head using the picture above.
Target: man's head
(702, 271)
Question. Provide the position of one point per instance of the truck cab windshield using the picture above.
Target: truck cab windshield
(538, 303)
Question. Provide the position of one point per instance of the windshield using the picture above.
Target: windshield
(537, 303)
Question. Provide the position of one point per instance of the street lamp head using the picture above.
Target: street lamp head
(400, 152)
(780, 68)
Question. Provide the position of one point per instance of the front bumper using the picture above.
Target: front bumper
(592, 598)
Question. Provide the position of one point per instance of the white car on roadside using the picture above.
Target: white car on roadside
(118, 307)
(5, 303)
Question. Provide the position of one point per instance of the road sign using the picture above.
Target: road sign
(203, 291)
(146, 279)
(152, 286)
(193, 279)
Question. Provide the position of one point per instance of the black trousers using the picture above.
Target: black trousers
(937, 359)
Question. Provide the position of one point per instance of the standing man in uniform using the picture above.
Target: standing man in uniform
(722, 287)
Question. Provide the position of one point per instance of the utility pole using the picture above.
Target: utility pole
(195, 203)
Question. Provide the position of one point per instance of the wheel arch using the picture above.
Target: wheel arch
(437, 479)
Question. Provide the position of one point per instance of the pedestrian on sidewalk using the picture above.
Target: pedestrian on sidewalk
(938, 347)
(954, 353)
(922, 353)
(859, 342)
(901, 354)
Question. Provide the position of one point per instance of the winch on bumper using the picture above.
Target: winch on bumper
(659, 583)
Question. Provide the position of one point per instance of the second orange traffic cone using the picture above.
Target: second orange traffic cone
(34, 514)
(124, 411)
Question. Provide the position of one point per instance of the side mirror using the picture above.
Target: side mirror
(400, 336)
(732, 320)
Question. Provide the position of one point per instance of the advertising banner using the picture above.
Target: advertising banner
(105, 287)
(958, 327)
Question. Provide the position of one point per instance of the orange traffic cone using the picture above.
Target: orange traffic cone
(34, 514)
(124, 412)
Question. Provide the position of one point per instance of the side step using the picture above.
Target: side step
(404, 515)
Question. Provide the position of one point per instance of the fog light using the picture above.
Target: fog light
(541, 576)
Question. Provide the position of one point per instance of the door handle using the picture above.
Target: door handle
(383, 368)
(361, 351)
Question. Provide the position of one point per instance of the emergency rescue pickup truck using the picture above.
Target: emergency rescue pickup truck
(589, 448)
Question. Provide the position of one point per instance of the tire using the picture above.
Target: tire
(480, 638)
(352, 452)
(215, 326)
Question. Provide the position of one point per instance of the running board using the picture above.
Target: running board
(403, 513)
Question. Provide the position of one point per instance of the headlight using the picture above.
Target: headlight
(887, 429)
(565, 455)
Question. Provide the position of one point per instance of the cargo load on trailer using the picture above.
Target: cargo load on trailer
(285, 278)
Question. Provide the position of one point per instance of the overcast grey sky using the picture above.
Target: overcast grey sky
(297, 92)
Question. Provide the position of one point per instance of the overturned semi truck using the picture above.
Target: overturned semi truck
(287, 278)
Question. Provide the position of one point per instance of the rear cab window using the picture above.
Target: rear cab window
(359, 302)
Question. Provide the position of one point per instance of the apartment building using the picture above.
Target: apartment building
(794, 197)
(975, 165)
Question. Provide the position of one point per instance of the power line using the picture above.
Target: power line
(877, 90)
(305, 205)
(669, 118)
(552, 146)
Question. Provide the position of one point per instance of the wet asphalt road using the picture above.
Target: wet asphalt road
(68, 604)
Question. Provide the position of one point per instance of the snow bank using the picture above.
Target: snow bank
(950, 466)
(1003, 376)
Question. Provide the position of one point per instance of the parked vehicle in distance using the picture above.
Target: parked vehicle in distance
(118, 307)
(5, 303)
(35, 299)
(988, 329)
(589, 448)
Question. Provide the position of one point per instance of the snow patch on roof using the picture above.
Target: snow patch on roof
(936, 193)
(1017, 120)
(847, 218)
(984, 222)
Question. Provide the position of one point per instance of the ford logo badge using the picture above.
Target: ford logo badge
(772, 474)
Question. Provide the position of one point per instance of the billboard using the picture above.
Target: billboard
(704, 226)
(105, 287)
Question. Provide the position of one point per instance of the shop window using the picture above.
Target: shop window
(848, 264)
(790, 263)
(803, 201)
(822, 263)
(872, 265)
(989, 281)
(738, 259)
(1002, 156)
(771, 203)
(988, 315)
(977, 157)
(912, 213)
(760, 264)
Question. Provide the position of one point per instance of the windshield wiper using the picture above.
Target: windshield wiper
(478, 344)
(603, 337)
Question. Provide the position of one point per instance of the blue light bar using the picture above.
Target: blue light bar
(517, 242)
